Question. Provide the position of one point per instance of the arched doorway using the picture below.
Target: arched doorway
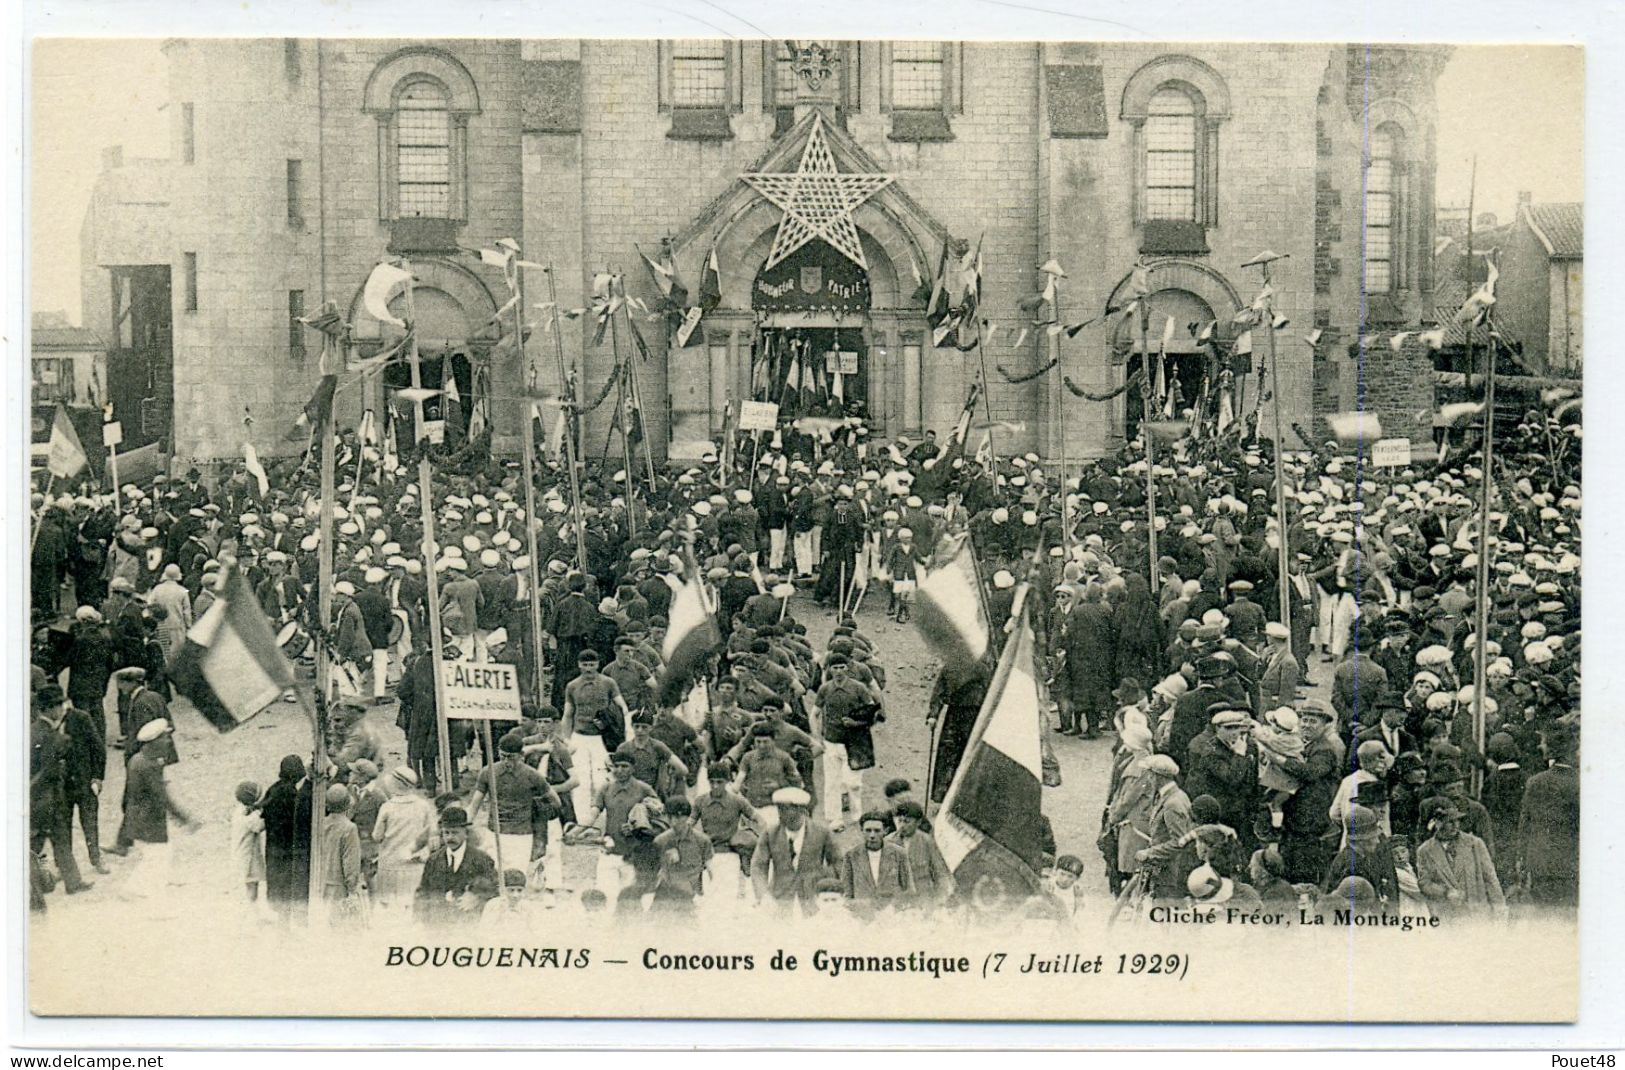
(811, 354)
(455, 334)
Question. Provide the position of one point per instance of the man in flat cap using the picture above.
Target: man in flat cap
(793, 857)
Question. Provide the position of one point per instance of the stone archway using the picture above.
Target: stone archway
(454, 311)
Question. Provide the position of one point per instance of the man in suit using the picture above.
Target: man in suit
(51, 754)
(792, 858)
(458, 877)
(1390, 732)
(875, 874)
(1549, 823)
(1278, 680)
(1166, 823)
(933, 882)
(1305, 847)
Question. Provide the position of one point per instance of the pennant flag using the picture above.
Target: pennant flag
(314, 414)
(230, 666)
(691, 637)
(1454, 413)
(661, 271)
(1020, 338)
(392, 451)
(251, 461)
(1355, 426)
(1477, 306)
(1227, 408)
(1244, 344)
(940, 303)
(1053, 269)
(1313, 337)
(1139, 286)
(1048, 293)
(1168, 333)
(555, 437)
(711, 283)
(67, 457)
(451, 408)
(495, 257)
(380, 284)
(1434, 338)
(1205, 335)
(414, 394)
(990, 823)
(1397, 342)
(952, 618)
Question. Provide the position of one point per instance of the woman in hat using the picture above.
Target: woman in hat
(1455, 871)
(402, 833)
(1139, 630)
(1125, 825)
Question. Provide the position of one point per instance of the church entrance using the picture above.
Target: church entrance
(811, 353)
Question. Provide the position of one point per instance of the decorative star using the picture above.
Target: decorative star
(818, 200)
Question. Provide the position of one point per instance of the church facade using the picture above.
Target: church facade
(823, 182)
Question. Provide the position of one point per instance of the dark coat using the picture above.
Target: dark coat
(1211, 768)
(286, 811)
(430, 906)
(1549, 824)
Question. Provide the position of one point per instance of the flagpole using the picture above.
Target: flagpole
(1282, 562)
(1066, 507)
(567, 391)
(429, 548)
(324, 651)
(621, 396)
(1145, 432)
(637, 387)
(527, 455)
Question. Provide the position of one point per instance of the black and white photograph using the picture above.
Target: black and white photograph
(941, 528)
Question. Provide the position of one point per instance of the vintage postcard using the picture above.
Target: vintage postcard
(839, 529)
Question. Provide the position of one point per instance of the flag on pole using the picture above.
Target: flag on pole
(691, 636)
(711, 283)
(314, 414)
(1477, 307)
(990, 823)
(1355, 426)
(380, 284)
(451, 405)
(67, 457)
(952, 619)
(940, 303)
(230, 666)
(251, 461)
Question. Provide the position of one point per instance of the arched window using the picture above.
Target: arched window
(423, 151)
(423, 100)
(1176, 106)
(1385, 211)
(1171, 150)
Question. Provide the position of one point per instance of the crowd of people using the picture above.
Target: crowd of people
(1228, 778)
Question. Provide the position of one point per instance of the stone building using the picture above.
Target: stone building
(298, 164)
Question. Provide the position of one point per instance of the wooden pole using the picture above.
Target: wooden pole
(1055, 385)
(622, 396)
(1481, 615)
(1150, 449)
(430, 549)
(324, 650)
(528, 455)
(1282, 560)
(619, 285)
(567, 390)
(496, 815)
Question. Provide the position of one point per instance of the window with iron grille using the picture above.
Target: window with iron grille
(188, 134)
(423, 151)
(699, 74)
(1382, 211)
(917, 76)
(1171, 156)
(189, 263)
(296, 330)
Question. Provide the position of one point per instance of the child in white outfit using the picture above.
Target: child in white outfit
(1277, 738)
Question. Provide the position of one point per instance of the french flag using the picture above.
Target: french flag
(951, 616)
(990, 823)
(230, 666)
(692, 636)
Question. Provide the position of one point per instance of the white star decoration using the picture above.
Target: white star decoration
(818, 200)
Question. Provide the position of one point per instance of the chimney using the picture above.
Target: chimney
(1525, 197)
(112, 157)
